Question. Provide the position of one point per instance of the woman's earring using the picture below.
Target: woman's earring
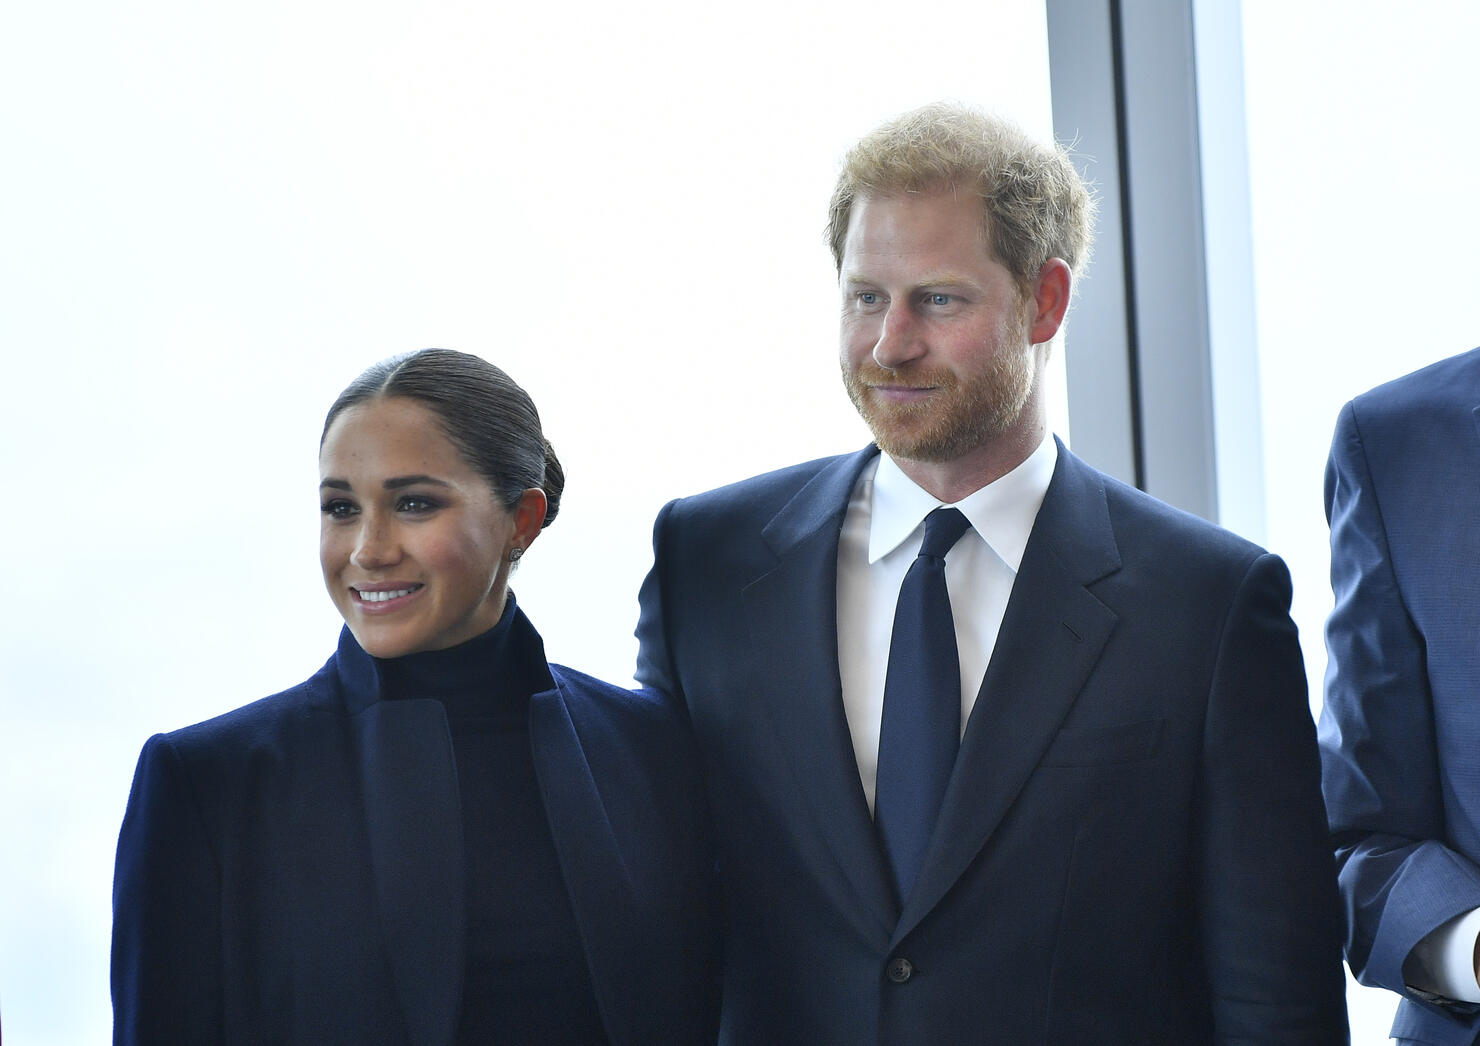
(515, 553)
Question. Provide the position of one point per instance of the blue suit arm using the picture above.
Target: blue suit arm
(1268, 907)
(1399, 880)
(166, 962)
(655, 667)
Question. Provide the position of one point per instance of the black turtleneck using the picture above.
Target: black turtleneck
(526, 981)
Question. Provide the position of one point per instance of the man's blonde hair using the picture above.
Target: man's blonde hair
(1036, 205)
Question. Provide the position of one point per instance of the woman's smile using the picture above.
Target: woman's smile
(379, 598)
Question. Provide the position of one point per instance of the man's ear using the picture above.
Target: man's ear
(1051, 290)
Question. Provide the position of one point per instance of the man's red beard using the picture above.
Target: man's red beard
(959, 417)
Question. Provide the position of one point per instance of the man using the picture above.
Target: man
(1123, 839)
(1400, 730)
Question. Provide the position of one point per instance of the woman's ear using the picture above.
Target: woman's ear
(529, 519)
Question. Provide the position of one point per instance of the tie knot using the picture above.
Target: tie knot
(943, 528)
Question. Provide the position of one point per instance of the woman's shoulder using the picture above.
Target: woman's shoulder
(618, 699)
(638, 715)
(636, 745)
(276, 751)
(263, 720)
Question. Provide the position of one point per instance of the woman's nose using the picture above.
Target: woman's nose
(376, 546)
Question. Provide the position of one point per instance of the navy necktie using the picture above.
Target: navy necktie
(921, 727)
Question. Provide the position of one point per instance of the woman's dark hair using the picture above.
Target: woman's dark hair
(489, 419)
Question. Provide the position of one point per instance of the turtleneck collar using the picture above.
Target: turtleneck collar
(505, 663)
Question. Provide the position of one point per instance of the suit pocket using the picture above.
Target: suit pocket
(1104, 745)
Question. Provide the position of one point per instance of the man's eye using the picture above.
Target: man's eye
(939, 299)
(337, 508)
(867, 298)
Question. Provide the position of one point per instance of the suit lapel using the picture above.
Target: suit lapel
(413, 817)
(791, 612)
(1051, 636)
(596, 876)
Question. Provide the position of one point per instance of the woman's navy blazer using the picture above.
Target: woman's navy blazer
(292, 871)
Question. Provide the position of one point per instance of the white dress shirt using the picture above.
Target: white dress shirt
(882, 534)
(1444, 961)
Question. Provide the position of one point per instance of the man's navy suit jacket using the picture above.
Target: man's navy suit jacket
(1132, 846)
(292, 871)
(1400, 730)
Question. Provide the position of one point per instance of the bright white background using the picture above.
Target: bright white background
(1364, 164)
(212, 216)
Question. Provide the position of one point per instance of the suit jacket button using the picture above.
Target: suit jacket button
(900, 970)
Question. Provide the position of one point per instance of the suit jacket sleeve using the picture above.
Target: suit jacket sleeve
(1270, 916)
(654, 658)
(1399, 881)
(166, 966)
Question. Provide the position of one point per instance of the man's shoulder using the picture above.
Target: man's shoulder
(789, 479)
(1452, 381)
(764, 495)
(1138, 539)
(1425, 416)
(1143, 518)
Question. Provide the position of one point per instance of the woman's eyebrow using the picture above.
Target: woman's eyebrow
(397, 482)
(394, 483)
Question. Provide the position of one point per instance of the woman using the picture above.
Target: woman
(439, 838)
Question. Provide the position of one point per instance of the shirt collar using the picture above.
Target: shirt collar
(1002, 512)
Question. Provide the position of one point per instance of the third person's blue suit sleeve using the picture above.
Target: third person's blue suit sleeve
(1399, 880)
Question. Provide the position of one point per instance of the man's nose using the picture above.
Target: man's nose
(900, 338)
